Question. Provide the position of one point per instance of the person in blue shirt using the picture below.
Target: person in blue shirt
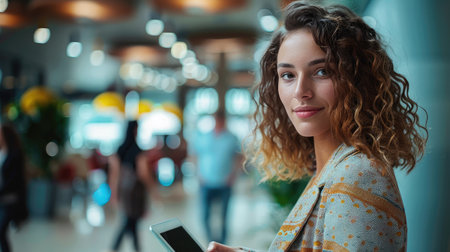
(217, 154)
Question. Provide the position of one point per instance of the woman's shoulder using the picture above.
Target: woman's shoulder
(358, 175)
(361, 207)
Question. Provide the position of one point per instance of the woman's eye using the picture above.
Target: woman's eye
(322, 72)
(286, 76)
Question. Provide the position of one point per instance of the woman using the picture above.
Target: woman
(129, 178)
(343, 115)
(12, 183)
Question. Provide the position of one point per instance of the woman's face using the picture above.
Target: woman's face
(305, 88)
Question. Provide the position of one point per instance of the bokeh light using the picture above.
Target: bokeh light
(102, 195)
(179, 50)
(95, 215)
(97, 57)
(154, 27)
(166, 171)
(167, 39)
(41, 35)
(52, 149)
(3, 5)
(74, 49)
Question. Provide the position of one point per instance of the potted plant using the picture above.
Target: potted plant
(42, 122)
(285, 194)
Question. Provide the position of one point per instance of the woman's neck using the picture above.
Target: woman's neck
(324, 148)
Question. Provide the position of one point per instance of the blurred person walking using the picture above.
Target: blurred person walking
(129, 179)
(13, 206)
(217, 154)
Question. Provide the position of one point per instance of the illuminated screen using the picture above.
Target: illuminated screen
(180, 240)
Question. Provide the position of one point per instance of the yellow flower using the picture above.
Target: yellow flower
(109, 100)
(145, 106)
(35, 97)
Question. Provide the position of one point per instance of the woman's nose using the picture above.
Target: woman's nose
(302, 88)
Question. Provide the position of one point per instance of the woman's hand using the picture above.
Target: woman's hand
(217, 247)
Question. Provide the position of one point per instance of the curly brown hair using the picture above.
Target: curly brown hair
(374, 114)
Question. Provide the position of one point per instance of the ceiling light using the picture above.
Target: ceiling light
(172, 85)
(269, 23)
(190, 70)
(168, 84)
(167, 39)
(74, 48)
(154, 27)
(148, 54)
(41, 35)
(201, 73)
(147, 77)
(104, 10)
(3, 5)
(179, 50)
(199, 6)
(13, 14)
(165, 82)
(97, 57)
(188, 60)
(267, 20)
(124, 71)
(189, 54)
(136, 71)
(157, 80)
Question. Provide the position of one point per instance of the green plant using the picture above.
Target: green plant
(47, 124)
(286, 193)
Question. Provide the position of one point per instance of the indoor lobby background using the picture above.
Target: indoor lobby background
(72, 72)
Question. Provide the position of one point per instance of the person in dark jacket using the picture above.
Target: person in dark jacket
(12, 184)
(129, 180)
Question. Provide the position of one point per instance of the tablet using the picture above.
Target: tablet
(175, 237)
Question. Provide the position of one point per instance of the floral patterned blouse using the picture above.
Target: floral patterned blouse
(351, 205)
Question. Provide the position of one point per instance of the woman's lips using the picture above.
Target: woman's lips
(306, 112)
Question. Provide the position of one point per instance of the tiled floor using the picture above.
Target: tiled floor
(251, 224)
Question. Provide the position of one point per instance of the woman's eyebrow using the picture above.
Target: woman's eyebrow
(316, 61)
(311, 63)
(285, 65)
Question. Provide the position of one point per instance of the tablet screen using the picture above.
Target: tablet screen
(180, 240)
